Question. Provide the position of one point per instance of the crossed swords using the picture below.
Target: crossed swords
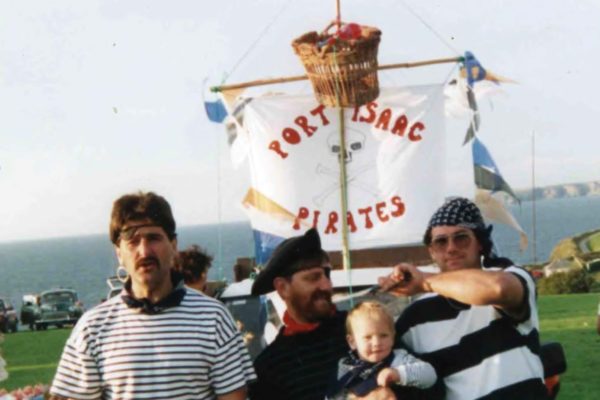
(351, 181)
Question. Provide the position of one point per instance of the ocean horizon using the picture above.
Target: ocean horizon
(85, 262)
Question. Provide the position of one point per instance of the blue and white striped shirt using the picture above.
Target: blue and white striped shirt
(189, 351)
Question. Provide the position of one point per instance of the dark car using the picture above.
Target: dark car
(53, 307)
(8, 317)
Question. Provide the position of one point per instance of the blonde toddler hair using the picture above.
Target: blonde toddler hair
(370, 309)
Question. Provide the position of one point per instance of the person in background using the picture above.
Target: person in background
(194, 263)
(370, 334)
(241, 272)
(158, 339)
(476, 321)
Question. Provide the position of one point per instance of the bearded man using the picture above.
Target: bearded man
(301, 363)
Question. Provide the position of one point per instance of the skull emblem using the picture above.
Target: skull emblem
(355, 142)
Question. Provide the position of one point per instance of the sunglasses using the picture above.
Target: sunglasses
(461, 240)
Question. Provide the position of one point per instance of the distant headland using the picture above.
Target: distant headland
(560, 191)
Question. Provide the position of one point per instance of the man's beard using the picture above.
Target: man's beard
(309, 310)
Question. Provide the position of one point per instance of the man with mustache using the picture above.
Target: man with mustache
(301, 363)
(302, 359)
(158, 339)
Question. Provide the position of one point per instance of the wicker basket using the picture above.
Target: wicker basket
(342, 73)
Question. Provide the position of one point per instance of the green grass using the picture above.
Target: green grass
(593, 242)
(569, 319)
(32, 357)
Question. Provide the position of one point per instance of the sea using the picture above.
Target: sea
(84, 263)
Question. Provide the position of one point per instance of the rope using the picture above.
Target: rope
(417, 16)
(256, 41)
(219, 214)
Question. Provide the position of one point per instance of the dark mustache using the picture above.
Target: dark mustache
(321, 294)
(146, 260)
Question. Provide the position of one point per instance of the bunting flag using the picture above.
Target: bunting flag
(475, 118)
(392, 146)
(487, 174)
(494, 210)
(225, 105)
(474, 72)
(215, 110)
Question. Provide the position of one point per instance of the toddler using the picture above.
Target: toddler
(372, 361)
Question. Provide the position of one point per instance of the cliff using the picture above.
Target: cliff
(559, 191)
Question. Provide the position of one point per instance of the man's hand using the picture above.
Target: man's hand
(405, 280)
(381, 393)
(387, 377)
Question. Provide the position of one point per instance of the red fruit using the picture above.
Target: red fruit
(350, 31)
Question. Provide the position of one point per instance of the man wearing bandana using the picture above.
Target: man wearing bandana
(476, 320)
(158, 339)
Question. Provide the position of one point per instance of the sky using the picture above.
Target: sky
(99, 98)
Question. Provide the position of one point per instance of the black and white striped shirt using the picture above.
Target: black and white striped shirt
(189, 351)
(480, 352)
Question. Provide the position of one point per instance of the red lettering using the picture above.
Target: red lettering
(400, 207)
(302, 122)
(316, 218)
(291, 136)
(320, 111)
(333, 219)
(351, 224)
(276, 147)
(400, 125)
(365, 212)
(371, 109)
(355, 114)
(414, 136)
(380, 208)
(384, 119)
(303, 213)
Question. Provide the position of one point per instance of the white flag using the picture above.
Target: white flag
(394, 155)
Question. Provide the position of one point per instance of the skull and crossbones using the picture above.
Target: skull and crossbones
(354, 144)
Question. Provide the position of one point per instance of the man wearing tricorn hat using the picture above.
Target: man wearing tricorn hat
(302, 360)
(476, 321)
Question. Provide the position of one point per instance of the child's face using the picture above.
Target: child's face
(371, 337)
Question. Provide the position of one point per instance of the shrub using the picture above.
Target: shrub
(575, 281)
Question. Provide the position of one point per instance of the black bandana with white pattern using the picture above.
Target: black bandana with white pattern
(458, 212)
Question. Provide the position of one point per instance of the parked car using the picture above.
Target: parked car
(53, 307)
(8, 317)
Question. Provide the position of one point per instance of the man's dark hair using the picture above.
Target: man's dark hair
(193, 262)
(141, 207)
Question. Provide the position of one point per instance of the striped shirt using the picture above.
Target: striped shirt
(479, 351)
(189, 351)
